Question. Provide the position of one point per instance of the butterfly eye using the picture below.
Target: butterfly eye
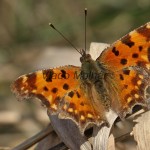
(88, 55)
(81, 59)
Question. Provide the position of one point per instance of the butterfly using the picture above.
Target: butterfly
(118, 80)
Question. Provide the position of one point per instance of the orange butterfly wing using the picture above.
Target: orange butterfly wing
(129, 60)
(131, 50)
(60, 89)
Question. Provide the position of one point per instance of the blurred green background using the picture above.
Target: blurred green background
(27, 43)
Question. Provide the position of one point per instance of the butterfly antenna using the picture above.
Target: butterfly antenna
(85, 13)
(51, 25)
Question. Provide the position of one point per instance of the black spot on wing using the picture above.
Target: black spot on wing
(48, 75)
(65, 86)
(135, 55)
(71, 94)
(116, 52)
(140, 48)
(78, 95)
(54, 90)
(63, 74)
(121, 77)
(127, 41)
(126, 72)
(45, 88)
(123, 61)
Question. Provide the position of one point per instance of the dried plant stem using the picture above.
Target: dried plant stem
(34, 139)
(123, 137)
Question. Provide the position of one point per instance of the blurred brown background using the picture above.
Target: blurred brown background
(27, 44)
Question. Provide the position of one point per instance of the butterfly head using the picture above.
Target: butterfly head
(84, 57)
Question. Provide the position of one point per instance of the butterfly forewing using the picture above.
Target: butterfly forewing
(60, 89)
(131, 50)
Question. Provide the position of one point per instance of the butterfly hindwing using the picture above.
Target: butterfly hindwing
(133, 83)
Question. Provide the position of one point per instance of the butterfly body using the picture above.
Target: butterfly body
(118, 80)
(93, 76)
